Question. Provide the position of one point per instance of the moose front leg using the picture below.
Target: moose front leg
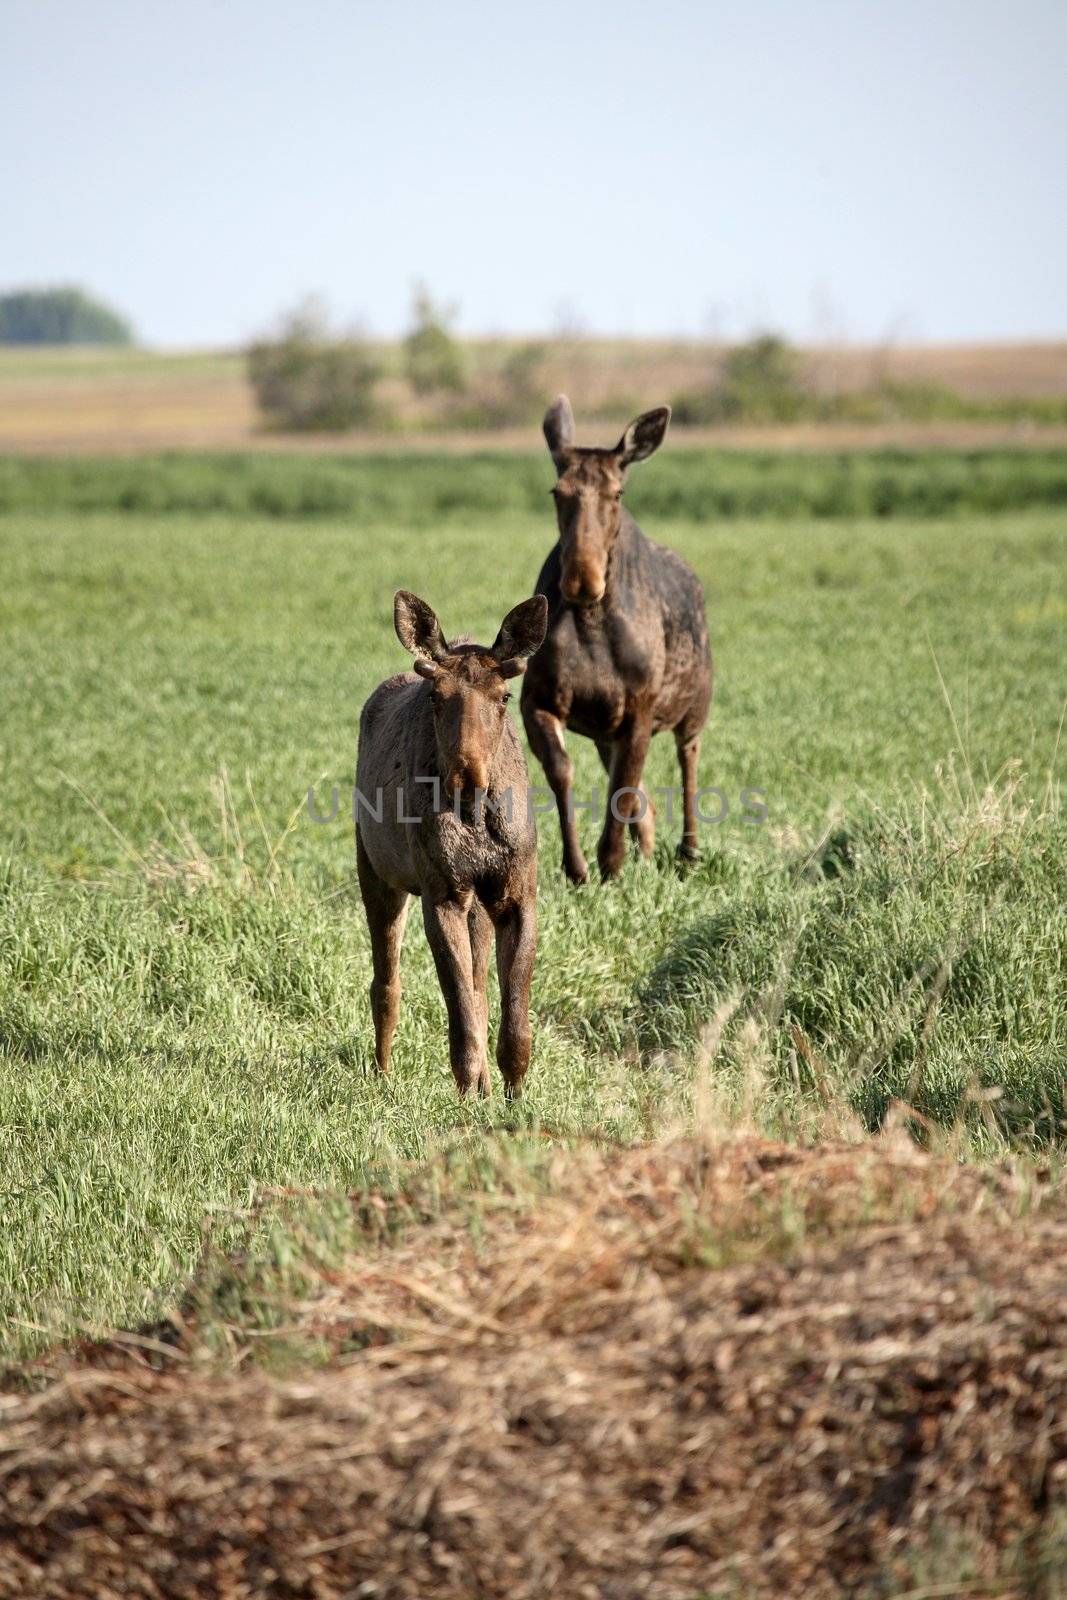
(448, 932)
(516, 946)
(387, 910)
(480, 929)
(545, 733)
(643, 821)
(626, 802)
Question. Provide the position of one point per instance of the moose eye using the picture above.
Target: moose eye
(505, 697)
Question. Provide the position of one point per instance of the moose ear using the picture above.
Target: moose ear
(559, 429)
(644, 435)
(521, 633)
(417, 627)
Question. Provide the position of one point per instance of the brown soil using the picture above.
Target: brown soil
(739, 1369)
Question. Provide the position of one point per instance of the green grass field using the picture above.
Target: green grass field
(693, 485)
(183, 963)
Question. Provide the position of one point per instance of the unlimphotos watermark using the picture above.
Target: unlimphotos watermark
(713, 804)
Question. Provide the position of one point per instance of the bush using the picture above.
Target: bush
(433, 359)
(510, 396)
(759, 382)
(933, 402)
(305, 380)
(59, 316)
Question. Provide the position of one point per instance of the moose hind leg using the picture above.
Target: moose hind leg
(545, 733)
(387, 910)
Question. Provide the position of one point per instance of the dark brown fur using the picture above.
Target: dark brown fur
(626, 655)
(473, 866)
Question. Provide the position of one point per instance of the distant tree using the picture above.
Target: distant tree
(433, 359)
(59, 316)
(305, 379)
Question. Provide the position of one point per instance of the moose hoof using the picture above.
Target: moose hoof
(475, 1085)
(576, 871)
(611, 866)
(688, 853)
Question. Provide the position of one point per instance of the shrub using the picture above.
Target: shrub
(696, 408)
(59, 316)
(306, 380)
(433, 359)
(509, 396)
(931, 402)
(759, 382)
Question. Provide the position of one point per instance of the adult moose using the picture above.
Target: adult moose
(626, 655)
(443, 813)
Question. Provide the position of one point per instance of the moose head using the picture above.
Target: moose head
(588, 494)
(469, 683)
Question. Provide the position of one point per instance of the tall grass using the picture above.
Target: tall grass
(698, 485)
(915, 955)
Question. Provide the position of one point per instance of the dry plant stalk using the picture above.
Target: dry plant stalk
(571, 1401)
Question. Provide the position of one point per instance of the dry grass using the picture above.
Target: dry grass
(166, 406)
(710, 1366)
(99, 402)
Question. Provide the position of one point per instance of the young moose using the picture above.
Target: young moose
(443, 814)
(627, 651)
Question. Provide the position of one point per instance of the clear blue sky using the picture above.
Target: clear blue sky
(828, 167)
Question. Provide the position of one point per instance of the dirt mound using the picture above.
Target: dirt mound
(736, 1370)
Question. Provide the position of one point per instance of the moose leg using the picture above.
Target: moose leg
(516, 946)
(480, 929)
(688, 760)
(545, 733)
(387, 911)
(624, 795)
(448, 931)
(642, 828)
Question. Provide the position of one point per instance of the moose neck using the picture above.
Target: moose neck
(617, 573)
(622, 554)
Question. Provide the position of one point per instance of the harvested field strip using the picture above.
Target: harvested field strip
(686, 1369)
(117, 401)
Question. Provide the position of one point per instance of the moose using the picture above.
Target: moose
(443, 813)
(626, 654)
